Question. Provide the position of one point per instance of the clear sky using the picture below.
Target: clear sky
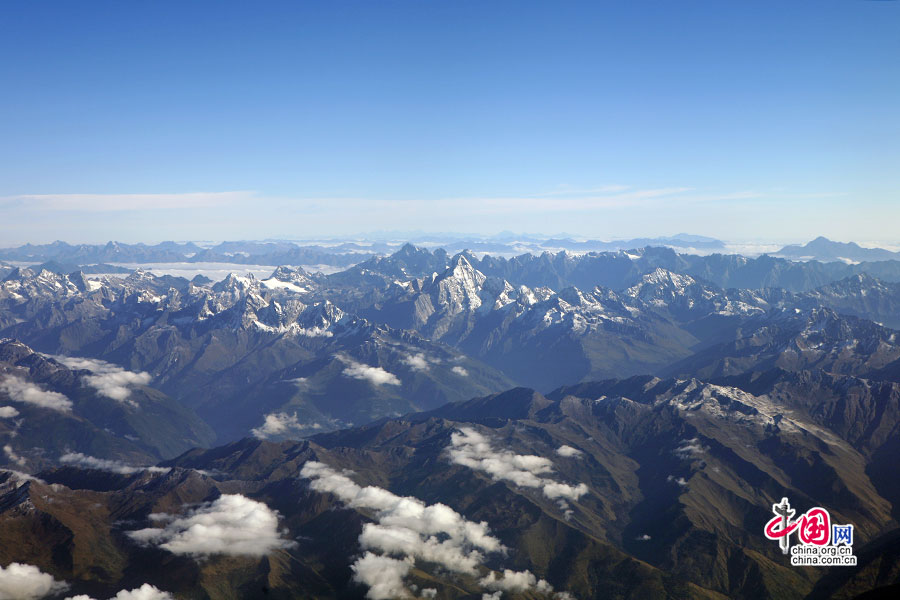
(145, 121)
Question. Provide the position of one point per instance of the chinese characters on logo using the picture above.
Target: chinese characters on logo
(821, 541)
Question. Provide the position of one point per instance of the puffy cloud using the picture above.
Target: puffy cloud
(108, 379)
(8, 412)
(232, 524)
(374, 375)
(102, 464)
(26, 582)
(461, 371)
(679, 480)
(515, 581)
(643, 538)
(21, 477)
(383, 575)
(281, 424)
(690, 449)
(406, 530)
(26, 392)
(471, 449)
(554, 490)
(145, 592)
(10, 453)
(403, 541)
(417, 362)
(568, 451)
(406, 527)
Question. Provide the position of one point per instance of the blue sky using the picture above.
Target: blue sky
(144, 121)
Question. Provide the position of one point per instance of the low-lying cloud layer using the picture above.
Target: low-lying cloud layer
(108, 379)
(103, 464)
(26, 392)
(407, 530)
(26, 582)
(145, 592)
(471, 449)
(233, 524)
(374, 375)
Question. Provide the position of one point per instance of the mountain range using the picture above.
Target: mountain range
(825, 250)
(59, 255)
(605, 425)
(634, 488)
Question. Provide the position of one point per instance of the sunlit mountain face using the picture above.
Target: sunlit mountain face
(442, 423)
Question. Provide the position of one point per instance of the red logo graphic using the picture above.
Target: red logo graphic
(815, 527)
(776, 528)
(819, 542)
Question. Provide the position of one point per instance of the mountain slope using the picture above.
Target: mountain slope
(825, 250)
(95, 409)
(798, 340)
(234, 351)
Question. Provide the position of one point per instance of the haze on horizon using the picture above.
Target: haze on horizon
(142, 123)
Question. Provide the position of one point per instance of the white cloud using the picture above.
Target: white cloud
(145, 592)
(26, 392)
(428, 593)
(383, 575)
(690, 448)
(19, 460)
(119, 202)
(568, 451)
(374, 375)
(553, 490)
(489, 208)
(108, 379)
(281, 425)
(26, 582)
(8, 412)
(232, 524)
(417, 362)
(515, 581)
(643, 538)
(679, 480)
(21, 477)
(471, 449)
(407, 528)
(461, 371)
(103, 464)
